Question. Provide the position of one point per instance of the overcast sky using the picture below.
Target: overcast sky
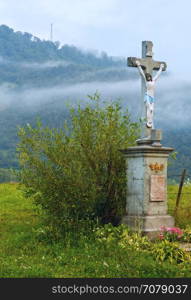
(114, 26)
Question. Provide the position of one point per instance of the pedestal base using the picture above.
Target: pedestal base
(149, 225)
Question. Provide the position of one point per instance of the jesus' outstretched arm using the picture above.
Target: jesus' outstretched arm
(158, 73)
(140, 70)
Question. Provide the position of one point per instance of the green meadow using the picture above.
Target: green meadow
(183, 217)
(27, 250)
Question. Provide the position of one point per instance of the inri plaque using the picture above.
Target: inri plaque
(157, 188)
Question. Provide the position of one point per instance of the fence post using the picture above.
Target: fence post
(179, 193)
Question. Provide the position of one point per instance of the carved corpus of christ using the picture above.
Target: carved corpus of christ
(149, 98)
(146, 65)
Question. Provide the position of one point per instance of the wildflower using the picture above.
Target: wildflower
(171, 233)
(175, 230)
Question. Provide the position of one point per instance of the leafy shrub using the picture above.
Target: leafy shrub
(123, 238)
(135, 241)
(169, 251)
(78, 172)
(186, 236)
(109, 234)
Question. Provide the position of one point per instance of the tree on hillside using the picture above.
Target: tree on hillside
(19, 46)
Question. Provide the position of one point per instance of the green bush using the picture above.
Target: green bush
(78, 172)
(169, 251)
(187, 235)
(123, 238)
(108, 234)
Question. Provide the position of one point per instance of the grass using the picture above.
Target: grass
(184, 210)
(26, 251)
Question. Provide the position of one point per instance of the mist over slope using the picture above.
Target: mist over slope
(41, 78)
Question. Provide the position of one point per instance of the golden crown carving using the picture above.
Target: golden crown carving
(156, 167)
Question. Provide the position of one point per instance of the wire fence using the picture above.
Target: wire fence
(184, 182)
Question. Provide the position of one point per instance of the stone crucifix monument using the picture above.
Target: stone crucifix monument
(146, 65)
(146, 206)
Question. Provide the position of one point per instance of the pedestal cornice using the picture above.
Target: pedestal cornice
(145, 150)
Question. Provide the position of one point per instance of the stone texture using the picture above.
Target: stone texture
(149, 225)
(146, 207)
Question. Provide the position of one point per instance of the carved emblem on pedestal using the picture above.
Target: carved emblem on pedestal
(156, 167)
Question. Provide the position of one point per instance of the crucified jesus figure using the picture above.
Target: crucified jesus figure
(149, 94)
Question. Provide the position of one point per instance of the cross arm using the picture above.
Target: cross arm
(156, 65)
(131, 61)
(146, 63)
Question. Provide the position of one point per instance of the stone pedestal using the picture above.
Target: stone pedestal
(146, 208)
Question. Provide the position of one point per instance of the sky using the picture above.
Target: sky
(115, 26)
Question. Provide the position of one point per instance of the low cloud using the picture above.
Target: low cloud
(47, 64)
(172, 106)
